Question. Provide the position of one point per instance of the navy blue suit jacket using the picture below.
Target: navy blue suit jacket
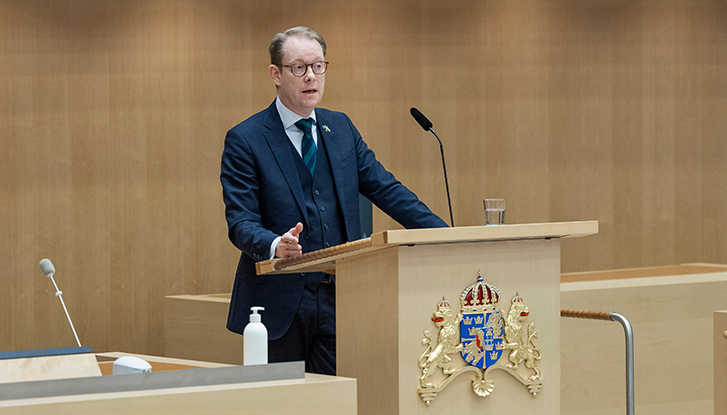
(264, 199)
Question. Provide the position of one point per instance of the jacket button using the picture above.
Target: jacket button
(316, 192)
(327, 244)
(307, 236)
(325, 226)
(323, 208)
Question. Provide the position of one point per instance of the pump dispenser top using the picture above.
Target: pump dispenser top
(255, 317)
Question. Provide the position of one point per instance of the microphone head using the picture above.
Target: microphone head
(47, 267)
(421, 119)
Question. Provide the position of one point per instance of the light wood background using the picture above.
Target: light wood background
(112, 118)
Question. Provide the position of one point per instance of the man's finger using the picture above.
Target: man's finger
(297, 229)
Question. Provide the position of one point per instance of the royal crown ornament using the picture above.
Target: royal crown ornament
(478, 337)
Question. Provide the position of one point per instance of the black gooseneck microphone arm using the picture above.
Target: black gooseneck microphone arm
(427, 126)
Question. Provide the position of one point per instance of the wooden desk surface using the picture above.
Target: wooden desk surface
(324, 260)
(627, 273)
(158, 363)
(310, 395)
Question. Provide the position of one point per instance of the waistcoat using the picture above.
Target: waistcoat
(325, 228)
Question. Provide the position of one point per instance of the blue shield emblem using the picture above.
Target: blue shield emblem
(481, 327)
(482, 337)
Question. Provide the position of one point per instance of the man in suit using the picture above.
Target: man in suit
(291, 176)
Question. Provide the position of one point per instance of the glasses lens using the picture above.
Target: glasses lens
(319, 68)
(298, 70)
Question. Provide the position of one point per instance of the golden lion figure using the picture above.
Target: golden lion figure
(448, 341)
(522, 351)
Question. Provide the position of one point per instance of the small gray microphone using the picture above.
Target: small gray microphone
(49, 270)
(47, 267)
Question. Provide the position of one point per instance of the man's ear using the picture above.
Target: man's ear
(275, 74)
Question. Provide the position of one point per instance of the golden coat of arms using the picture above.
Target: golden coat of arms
(480, 334)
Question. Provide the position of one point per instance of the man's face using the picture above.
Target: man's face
(300, 94)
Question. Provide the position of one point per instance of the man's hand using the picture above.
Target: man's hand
(288, 245)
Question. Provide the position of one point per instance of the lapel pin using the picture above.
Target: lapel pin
(326, 129)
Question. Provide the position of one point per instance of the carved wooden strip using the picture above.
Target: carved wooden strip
(586, 314)
(321, 253)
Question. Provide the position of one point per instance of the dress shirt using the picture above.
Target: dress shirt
(289, 118)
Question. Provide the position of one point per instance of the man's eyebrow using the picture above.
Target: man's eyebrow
(302, 63)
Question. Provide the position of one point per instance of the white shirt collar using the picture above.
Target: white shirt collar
(288, 117)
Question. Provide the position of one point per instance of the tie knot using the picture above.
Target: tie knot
(305, 124)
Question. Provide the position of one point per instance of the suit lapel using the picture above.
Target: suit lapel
(280, 145)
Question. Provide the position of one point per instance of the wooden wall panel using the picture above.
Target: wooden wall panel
(112, 118)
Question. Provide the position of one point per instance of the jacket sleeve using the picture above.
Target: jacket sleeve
(241, 192)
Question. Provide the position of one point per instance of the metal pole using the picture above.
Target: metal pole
(629, 360)
(613, 316)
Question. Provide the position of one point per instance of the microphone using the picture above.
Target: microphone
(421, 119)
(427, 126)
(49, 270)
(47, 267)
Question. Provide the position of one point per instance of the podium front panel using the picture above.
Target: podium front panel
(386, 299)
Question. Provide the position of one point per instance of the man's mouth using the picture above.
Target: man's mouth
(310, 91)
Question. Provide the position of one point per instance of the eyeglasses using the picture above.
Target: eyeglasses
(299, 69)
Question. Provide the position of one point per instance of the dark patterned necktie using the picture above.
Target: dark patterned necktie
(308, 146)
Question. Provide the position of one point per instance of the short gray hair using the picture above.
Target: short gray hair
(278, 41)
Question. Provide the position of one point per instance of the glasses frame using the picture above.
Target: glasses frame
(309, 65)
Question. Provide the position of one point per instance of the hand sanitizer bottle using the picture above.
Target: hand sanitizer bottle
(255, 343)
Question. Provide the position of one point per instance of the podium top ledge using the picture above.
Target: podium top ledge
(325, 259)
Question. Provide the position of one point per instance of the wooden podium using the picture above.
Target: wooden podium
(389, 285)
